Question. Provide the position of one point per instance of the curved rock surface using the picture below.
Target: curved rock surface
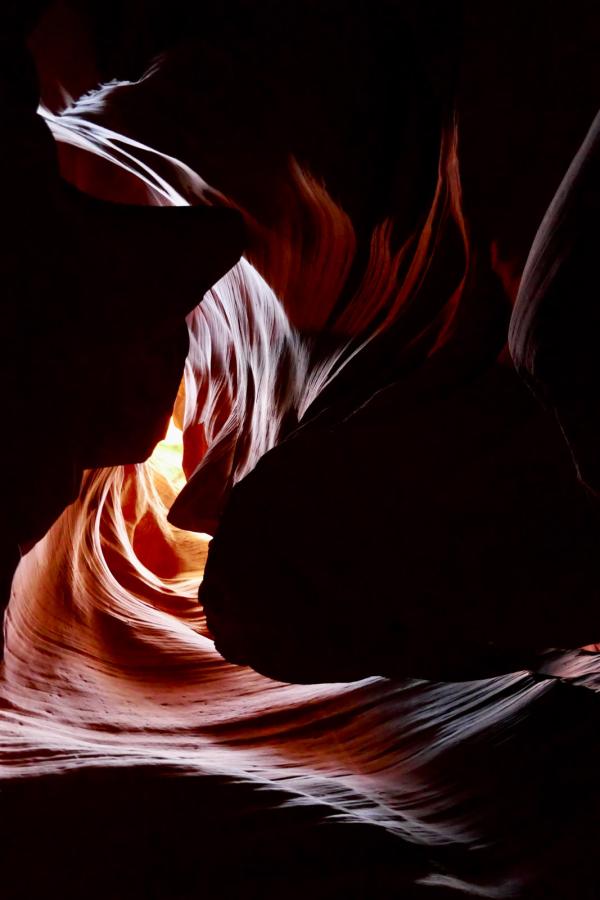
(387, 497)
(556, 320)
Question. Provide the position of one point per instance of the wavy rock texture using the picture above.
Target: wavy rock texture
(135, 761)
(126, 738)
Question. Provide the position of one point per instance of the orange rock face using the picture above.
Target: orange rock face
(381, 691)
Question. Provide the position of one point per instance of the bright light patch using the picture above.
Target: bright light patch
(167, 457)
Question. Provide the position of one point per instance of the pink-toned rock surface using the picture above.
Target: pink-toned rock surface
(388, 498)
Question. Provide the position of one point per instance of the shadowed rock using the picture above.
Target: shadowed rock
(439, 532)
(94, 300)
(555, 327)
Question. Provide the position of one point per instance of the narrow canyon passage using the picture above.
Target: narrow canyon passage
(346, 449)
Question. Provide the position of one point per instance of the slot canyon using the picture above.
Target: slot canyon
(300, 556)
